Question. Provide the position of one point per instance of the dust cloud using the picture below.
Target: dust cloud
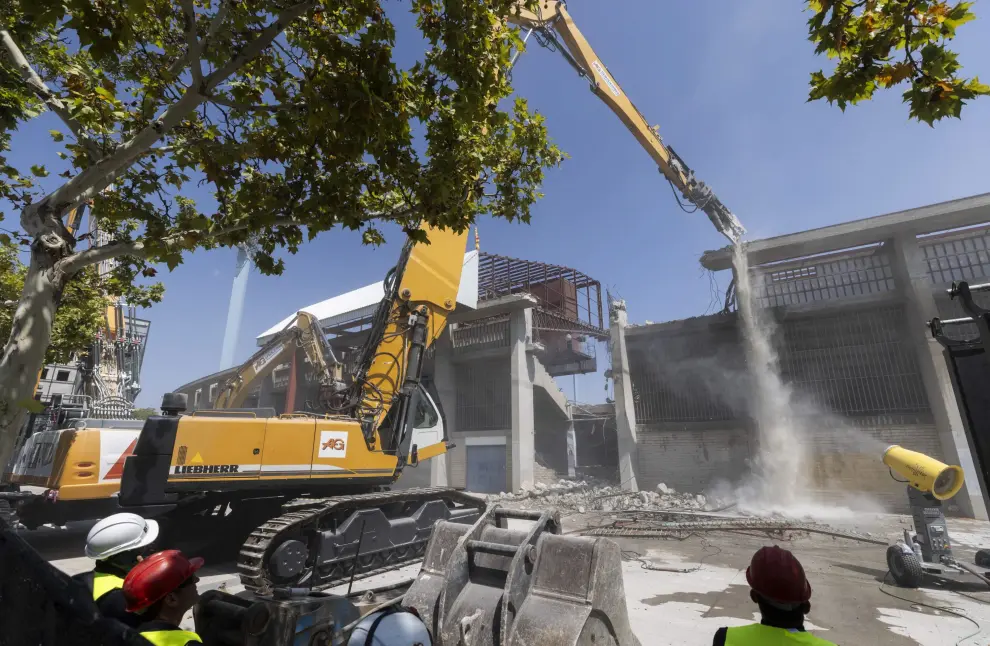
(779, 477)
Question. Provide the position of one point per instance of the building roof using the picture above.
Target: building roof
(350, 308)
(953, 214)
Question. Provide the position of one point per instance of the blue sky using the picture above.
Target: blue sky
(727, 84)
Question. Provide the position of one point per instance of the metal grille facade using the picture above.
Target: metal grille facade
(853, 363)
(826, 278)
(484, 395)
(959, 256)
(484, 334)
(849, 362)
(676, 377)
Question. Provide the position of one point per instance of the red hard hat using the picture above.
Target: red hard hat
(777, 576)
(156, 576)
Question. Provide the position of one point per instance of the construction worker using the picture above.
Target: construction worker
(162, 588)
(778, 586)
(117, 543)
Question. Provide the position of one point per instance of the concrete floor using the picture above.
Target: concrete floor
(851, 604)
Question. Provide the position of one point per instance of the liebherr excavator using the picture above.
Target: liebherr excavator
(376, 425)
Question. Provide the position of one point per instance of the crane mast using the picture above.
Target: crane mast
(555, 29)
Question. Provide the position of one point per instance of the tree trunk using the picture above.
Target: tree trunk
(24, 354)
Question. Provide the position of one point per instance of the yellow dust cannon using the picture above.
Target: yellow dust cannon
(924, 473)
(929, 550)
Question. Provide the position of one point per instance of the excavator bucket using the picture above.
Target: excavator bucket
(489, 585)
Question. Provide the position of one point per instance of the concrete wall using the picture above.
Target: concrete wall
(690, 458)
(550, 440)
(855, 377)
(693, 458)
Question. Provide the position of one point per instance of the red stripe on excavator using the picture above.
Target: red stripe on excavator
(116, 472)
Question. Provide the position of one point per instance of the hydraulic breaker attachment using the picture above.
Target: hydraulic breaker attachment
(488, 585)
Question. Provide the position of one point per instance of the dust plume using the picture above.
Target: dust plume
(779, 476)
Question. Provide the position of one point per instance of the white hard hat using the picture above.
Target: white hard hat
(395, 628)
(119, 533)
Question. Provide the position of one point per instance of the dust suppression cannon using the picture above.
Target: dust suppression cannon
(928, 550)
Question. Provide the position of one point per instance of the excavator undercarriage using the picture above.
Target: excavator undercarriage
(319, 542)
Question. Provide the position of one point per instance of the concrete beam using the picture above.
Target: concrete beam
(495, 307)
(953, 214)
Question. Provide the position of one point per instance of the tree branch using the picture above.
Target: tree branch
(215, 24)
(88, 183)
(192, 41)
(248, 107)
(136, 248)
(72, 264)
(53, 102)
(193, 50)
(255, 47)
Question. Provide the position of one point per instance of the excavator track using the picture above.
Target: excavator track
(318, 543)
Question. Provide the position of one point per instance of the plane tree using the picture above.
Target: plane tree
(879, 44)
(193, 124)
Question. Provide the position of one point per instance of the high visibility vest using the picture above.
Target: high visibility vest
(103, 583)
(171, 637)
(760, 635)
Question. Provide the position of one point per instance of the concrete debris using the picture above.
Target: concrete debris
(584, 496)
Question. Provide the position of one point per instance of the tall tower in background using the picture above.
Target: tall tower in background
(235, 310)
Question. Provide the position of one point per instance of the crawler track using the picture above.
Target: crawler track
(337, 525)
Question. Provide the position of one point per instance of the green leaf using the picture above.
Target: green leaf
(39, 171)
(105, 93)
(4, 239)
(56, 135)
(32, 405)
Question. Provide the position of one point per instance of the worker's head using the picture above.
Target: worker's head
(163, 586)
(778, 584)
(121, 540)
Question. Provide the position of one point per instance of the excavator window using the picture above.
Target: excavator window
(426, 417)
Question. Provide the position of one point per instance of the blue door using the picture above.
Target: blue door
(486, 469)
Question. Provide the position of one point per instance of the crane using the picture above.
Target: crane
(554, 28)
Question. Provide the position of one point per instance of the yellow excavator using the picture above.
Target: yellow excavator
(207, 465)
(304, 332)
(79, 464)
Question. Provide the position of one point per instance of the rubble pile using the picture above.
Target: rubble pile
(588, 496)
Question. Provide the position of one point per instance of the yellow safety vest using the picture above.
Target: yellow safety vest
(760, 635)
(171, 637)
(103, 583)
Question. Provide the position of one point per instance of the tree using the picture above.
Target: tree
(80, 314)
(144, 413)
(883, 44)
(294, 114)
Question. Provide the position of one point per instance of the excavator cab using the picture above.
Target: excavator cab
(429, 431)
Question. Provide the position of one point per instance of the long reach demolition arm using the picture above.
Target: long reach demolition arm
(303, 331)
(555, 29)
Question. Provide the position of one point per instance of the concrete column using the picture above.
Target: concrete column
(625, 413)
(571, 444)
(446, 383)
(522, 368)
(915, 285)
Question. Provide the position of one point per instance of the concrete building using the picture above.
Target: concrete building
(517, 325)
(851, 303)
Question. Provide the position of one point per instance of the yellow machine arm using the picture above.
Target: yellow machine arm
(553, 24)
(302, 332)
(420, 293)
